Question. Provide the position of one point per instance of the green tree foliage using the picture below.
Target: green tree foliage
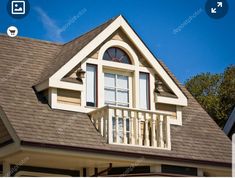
(215, 92)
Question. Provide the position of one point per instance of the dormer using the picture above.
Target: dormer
(111, 75)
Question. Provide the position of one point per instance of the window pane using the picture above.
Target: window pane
(120, 130)
(109, 80)
(116, 55)
(144, 91)
(122, 97)
(91, 85)
(106, 56)
(127, 125)
(116, 89)
(114, 128)
(122, 82)
(109, 96)
(119, 54)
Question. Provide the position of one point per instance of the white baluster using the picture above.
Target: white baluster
(124, 115)
(105, 124)
(161, 131)
(102, 123)
(136, 129)
(168, 134)
(146, 139)
(116, 122)
(110, 125)
(139, 131)
(132, 136)
(153, 138)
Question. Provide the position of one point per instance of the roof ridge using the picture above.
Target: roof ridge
(31, 39)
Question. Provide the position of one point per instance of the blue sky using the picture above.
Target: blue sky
(203, 44)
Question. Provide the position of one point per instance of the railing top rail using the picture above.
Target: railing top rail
(98, 109)
(128, 109)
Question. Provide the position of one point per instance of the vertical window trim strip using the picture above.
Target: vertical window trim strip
(149, 96)
(96, 83)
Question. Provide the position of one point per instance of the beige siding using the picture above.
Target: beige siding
(166, 107)
(69, 97)
(4, 135)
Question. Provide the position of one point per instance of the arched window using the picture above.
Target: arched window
(116, 55)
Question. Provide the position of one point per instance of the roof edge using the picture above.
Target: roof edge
(123, 153)
(32, 39)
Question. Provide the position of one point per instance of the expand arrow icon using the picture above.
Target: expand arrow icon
(219, 4)
(213, 10)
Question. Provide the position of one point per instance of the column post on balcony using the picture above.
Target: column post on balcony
(105, 122)
(132, 137)
(101, 124)
(161, 131)
(116, 125)
(168, 133)
(153, 138)
(124, 115)
(146, 139)
(109, 125)
(139, 129)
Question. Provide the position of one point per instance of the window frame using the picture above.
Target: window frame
(96, 84)
(116, 89)
(148, 97)
(111, 57)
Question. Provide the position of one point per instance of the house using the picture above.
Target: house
(229, 128)
(101, 105)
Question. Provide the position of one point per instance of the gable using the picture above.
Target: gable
(109, 32)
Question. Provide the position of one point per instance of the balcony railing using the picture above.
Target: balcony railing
(129, 126)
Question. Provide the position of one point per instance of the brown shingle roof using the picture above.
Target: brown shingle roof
(70, 49)
(22, 62)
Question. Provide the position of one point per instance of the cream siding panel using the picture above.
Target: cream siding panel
(166, 107)
(69, 97)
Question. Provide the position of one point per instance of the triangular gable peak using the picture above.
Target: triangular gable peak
(117, 34)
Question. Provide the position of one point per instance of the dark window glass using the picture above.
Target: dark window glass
(116, 55)
(129, 170)
(179, 170)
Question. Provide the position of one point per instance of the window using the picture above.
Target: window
(144, 91)
(116, 55)
(179, 170)
(129, 170)
(91, 86)
(116, 89)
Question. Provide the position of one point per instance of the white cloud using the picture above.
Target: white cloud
(53, 31)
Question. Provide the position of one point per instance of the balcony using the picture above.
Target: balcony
(134, 127)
